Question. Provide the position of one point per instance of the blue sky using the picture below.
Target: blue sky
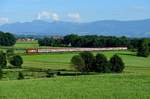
(73, 10)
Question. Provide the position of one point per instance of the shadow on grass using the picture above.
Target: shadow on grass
(128, 54)
(75, 74)
(60, 72)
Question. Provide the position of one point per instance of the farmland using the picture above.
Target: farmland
(133, 83)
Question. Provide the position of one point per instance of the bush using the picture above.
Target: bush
(3, 61)
(117, 64)
(1, 73)
(101, 64)
(78, 63)
(143, 48)
(89, 59)
(50, 74)
(16, 61)
(20, 76)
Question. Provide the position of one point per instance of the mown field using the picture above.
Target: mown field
(133, 83)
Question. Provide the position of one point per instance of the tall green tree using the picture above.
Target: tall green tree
(117, 64)
(143, 48)
(89, 59)
(78, 63)
(102, 64)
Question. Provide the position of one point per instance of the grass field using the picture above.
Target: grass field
(108, 86)
(62, 60)
(31, 44)
(133, 83)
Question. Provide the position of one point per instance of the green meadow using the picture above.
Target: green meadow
(24, 44)
(108, 86)
(133, 83)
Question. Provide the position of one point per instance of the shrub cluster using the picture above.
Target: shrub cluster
(87, 62)
(11, 57)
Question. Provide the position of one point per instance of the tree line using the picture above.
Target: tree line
(7, 39)
(74, 40)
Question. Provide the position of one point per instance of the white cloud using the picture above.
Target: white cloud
(74, 16)
(44, 14)
(48, 15)
(55, 17)
(4, 20)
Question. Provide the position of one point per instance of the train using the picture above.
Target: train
(52, 50)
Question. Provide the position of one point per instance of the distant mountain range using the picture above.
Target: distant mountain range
(137, 28)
